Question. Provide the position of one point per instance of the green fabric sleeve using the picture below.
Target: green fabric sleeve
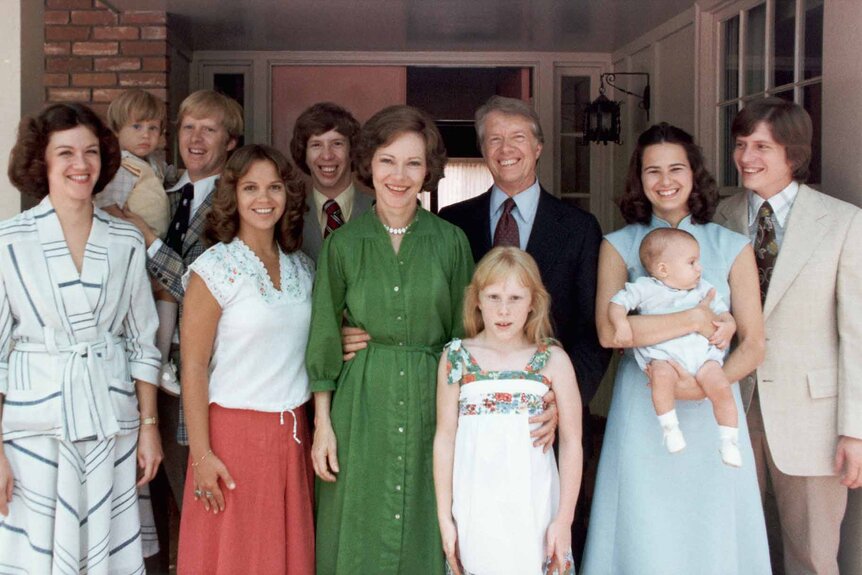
(323, 358)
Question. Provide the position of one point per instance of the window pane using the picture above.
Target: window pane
(575, 165)
(731, 58)
(574, 98)
(785, 95)
(785, 33)
(813, 64)
(462, 180)
(755, 50)
(728, 176)
(812, 102)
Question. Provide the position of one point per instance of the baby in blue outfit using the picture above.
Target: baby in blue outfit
(672, 258)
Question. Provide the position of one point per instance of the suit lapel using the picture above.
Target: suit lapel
(806, 227)
(544, 240)
(733, 213)
(70, 291)
(479, 233)
(312, 236)
(95, 268)
(361, 203)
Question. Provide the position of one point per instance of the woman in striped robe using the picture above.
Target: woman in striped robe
(77, 325)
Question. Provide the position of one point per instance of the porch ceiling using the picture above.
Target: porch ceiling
(408, 25)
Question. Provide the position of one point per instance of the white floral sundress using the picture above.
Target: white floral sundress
(505, 491)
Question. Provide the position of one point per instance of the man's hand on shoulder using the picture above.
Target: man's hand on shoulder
(138, 222)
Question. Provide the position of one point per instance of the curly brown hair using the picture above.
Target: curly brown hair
(634, 205)
(223, 222)
(28, 170)
(316, 121)
(384, 126)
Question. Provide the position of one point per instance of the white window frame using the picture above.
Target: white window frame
(600, 194)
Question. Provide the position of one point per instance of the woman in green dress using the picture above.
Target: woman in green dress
(399, 273)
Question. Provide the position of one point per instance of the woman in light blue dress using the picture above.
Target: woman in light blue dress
(657, 513)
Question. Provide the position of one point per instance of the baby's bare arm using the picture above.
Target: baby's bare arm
(619, 319)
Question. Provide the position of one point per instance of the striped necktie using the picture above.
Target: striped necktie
(334, 217)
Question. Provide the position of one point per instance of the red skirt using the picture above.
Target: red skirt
(268, 524)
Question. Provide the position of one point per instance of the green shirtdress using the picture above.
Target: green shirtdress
(380, 515)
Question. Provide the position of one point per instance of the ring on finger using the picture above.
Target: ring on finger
(209, 494)
(198, 493)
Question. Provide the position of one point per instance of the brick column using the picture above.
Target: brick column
(93, 53)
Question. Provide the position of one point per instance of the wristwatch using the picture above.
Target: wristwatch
(149, 421)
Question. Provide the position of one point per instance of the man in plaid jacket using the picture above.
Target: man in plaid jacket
(210, 125)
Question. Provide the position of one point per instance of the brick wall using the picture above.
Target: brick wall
(93, 53)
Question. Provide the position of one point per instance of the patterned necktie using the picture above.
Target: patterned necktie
(506, 233)
(180, 224)
(765, 247)
(334, 217)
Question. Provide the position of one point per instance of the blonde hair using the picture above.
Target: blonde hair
(496, 266)
(208, 103)
(135, 105)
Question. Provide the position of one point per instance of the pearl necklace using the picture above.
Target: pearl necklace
(395, 231)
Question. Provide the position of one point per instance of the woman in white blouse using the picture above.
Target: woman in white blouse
(244, 332)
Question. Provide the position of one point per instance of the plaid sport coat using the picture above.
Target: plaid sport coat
(168, 268)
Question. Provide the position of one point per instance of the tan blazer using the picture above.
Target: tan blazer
(810, 383)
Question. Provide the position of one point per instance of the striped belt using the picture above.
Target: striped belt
(87, 409)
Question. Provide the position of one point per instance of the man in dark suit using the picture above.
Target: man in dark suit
(563, 239)
(323, 137)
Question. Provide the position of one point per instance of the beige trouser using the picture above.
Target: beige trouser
(810, 509)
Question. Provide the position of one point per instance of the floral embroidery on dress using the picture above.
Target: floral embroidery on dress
(496, 403)
(540, 358)
(463, 367)
(223, 266)
(291, 270)
(454, 362)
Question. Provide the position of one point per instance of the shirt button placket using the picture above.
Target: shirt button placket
(401, 393)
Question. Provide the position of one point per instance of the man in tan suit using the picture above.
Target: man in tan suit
(805, 401)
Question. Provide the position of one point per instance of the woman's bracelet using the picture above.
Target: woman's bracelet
(201, 460)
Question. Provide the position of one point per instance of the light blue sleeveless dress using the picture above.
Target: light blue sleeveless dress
(657, 513)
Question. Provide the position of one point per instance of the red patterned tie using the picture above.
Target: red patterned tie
(506, 233)
(334, 217)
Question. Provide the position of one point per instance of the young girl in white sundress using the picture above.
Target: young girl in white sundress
(502, 506)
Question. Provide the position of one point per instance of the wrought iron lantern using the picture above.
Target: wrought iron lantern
(602, 116)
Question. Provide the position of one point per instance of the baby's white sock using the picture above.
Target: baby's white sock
(669, 420)
(673, 437)
(730, 453)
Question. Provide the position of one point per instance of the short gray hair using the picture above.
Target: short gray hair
(509, 107)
